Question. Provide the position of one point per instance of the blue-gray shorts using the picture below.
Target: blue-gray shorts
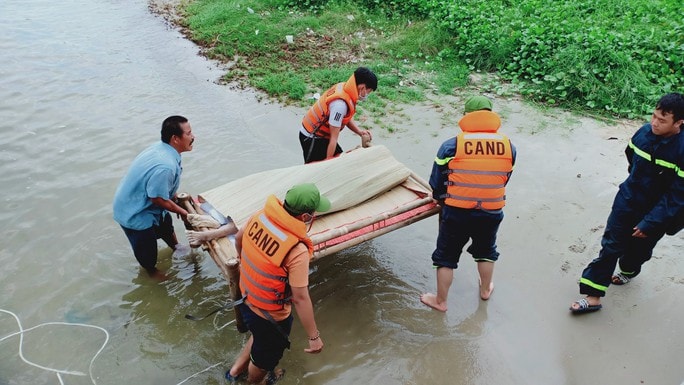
(458, 226)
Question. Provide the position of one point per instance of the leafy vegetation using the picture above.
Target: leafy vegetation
(614, 57)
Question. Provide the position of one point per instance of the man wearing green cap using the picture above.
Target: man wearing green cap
(468, 179)
(274, 251)
(478, 103)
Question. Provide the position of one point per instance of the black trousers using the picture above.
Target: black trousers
(144, 242)
(618, 247)
(316, 148)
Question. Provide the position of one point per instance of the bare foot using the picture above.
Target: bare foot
(431, 300)
(158, 275)
(196, 238)
(207, 221)
(485, 294)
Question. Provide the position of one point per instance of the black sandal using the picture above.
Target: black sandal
(619, 279)
(273, 376)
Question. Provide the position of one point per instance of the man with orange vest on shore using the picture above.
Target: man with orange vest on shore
(331, 113)
(274, 251)
(469, 180)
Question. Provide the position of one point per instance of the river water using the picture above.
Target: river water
(84, 86)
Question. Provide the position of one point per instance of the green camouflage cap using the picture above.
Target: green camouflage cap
(305, 198)
(476, 103)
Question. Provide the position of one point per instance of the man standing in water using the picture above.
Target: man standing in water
(469, 180)
(648, 204)
(147, 194)
(274, 251)
(333, 111)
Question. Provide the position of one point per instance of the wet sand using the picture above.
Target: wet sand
(559, 197)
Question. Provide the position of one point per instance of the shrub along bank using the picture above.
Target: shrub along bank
(614, 57)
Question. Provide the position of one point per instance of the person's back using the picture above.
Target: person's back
(469, 180)
(274, 251)
(482, 163)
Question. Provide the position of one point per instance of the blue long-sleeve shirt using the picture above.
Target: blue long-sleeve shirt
(655, 185)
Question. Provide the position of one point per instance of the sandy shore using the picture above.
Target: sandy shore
(559, 197)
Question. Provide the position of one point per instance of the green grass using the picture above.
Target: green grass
(328, 46)
(608, 57)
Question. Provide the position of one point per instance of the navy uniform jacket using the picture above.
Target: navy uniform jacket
(655, 185)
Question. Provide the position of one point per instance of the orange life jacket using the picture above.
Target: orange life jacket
(268, 237)
(316, 119)
(482, 164)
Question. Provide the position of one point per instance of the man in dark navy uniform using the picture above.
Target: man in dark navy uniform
(648, 205)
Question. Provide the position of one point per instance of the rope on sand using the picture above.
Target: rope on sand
(59, 372)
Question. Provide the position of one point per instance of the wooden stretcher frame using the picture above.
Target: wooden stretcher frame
(403, 204)
(393, 208)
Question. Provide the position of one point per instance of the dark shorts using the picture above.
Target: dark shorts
(458, 226)
(144, 242)
(269, 342)
(319, 149)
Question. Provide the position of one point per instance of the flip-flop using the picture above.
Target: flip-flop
(619, 279)
(232, 380)
(584, 307)
(273, 376)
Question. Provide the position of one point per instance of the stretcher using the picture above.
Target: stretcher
(371, 194)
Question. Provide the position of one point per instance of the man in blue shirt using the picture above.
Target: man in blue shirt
(148, 191)
(648, 204)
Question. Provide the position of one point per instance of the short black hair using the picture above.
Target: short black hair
(672, 103)
(294, 212)
(365, 76)
(172, 126)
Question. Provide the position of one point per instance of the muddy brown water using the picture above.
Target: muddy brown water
(84, 86)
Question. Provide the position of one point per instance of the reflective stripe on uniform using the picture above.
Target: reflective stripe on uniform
(443, 161)
(659, 162)
(483, 135)
(474, 185)
(472, 199)
(592, 284)
(319, 113)
(250, 295)
(483, 260)
(477, 172)
(263, 273)
(271, 227)
(255, 283)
